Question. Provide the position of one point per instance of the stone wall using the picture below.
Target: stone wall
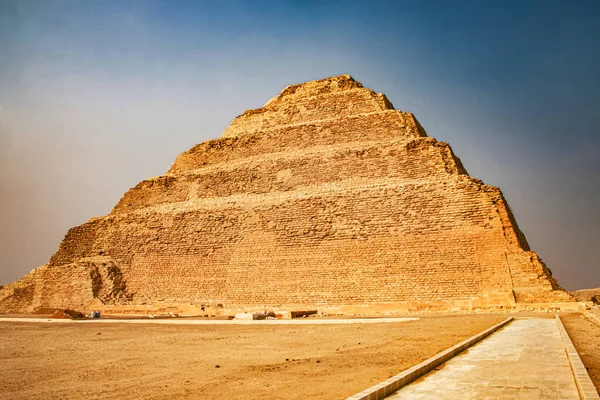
(92, 280)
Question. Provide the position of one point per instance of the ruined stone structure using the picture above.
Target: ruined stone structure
(326, 197)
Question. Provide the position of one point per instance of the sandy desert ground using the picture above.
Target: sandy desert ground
(58, 361)
(126, 361)
(585, 335)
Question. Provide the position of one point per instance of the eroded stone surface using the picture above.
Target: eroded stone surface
(326, 198)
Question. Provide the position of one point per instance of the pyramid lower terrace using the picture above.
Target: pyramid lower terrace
(325, 198)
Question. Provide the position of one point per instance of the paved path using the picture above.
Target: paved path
(524, 360)
(186, 321)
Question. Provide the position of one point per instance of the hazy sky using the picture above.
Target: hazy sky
(96, 96)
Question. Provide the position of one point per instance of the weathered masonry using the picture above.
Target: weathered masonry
(326, 197)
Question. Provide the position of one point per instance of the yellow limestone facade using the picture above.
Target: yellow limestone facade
(325, 198)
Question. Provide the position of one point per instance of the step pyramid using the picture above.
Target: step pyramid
(325, 198)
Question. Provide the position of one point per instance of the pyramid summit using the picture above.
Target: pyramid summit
(325, 198)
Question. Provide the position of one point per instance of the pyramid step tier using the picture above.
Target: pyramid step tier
(375, 209)
(305, 110)
(378, 126)
(315, 88)
(420, 159)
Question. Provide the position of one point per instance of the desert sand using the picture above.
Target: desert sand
(126, 361)
(585, 335)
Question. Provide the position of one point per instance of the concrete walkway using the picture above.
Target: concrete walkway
(524, 360)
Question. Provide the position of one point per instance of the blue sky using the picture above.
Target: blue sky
(96, 96)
